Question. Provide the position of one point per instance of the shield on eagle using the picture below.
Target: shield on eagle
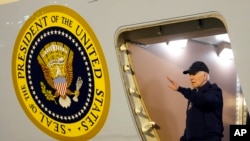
(60, 84)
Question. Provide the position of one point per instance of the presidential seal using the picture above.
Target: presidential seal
(60, 74)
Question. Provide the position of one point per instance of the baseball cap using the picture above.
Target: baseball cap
(195, 67)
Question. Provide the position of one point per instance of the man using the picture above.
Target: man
(205, 105)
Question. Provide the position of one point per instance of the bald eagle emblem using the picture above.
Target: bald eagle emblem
(56, 61)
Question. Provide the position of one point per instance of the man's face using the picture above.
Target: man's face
(198, 79)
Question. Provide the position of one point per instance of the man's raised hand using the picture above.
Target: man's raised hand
(173, 85)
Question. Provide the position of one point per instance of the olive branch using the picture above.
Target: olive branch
(47, 93)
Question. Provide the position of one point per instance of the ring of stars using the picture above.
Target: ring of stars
(39, 102)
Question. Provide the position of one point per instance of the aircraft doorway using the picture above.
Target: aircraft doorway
(147, 57)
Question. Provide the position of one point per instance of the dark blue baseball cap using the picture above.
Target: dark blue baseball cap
(195, 67)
